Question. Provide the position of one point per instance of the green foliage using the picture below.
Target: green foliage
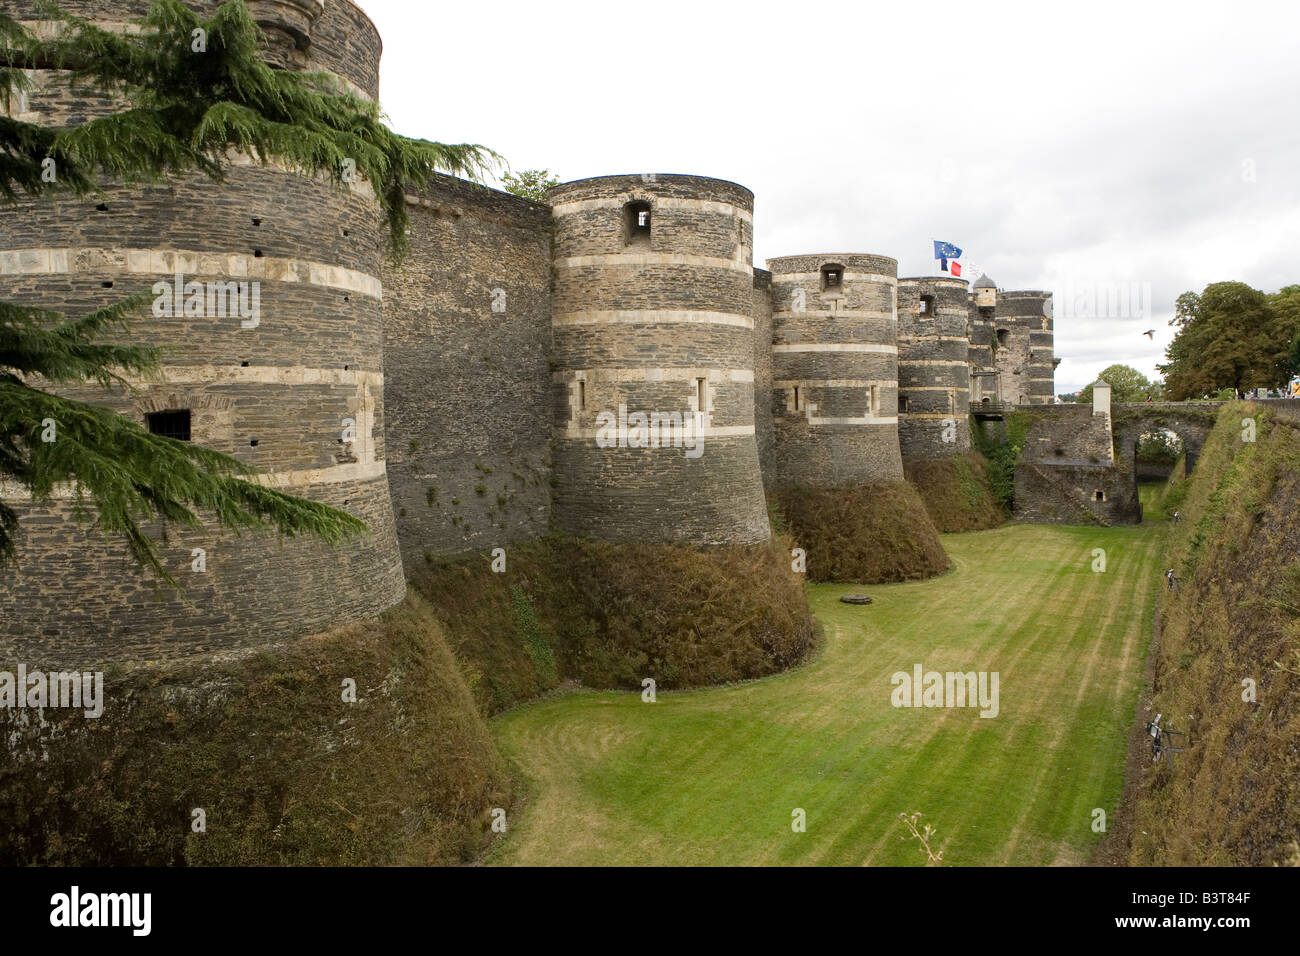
(1127, 384)
(1231, 337)
(183, 111)
(1001, 454)
(1159, 446)
(132, 478)
(529, 631)
(531, 184)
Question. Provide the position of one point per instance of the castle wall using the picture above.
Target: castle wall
(763, 425)
(467, 340)
(933, 368)
(277, 394)
(655, 321)
(834, 395)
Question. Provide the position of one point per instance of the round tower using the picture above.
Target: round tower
(266, 304)
(933, 367)
(835, 370)
(654, 361)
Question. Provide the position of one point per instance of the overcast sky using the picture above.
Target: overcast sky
(1136, 147)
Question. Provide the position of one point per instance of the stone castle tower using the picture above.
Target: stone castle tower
(835, 370)
(933, 367)
(608, 364)
(1011, 346)
(652, 331)
(275, 388)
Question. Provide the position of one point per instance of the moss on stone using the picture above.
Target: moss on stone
(286, 771)
(870, 534)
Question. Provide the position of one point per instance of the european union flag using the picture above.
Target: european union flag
(946, 250)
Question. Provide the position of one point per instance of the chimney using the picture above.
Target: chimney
(1100, 398)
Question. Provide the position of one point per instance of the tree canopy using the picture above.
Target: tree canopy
(182, 111)
(531, 184)
(1127, 384)
(1231, 336)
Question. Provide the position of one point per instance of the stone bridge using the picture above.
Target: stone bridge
(1078, 463)
(1190, 421)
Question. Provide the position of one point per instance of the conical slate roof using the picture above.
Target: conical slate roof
(984, 282)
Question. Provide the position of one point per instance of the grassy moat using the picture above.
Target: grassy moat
(713, 776)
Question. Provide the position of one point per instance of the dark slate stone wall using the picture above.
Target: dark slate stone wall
(276, 395)
(836, 437)
(468, 388)
(763, 424)
(933, 368)
(638, 321)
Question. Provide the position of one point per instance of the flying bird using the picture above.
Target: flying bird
(1151, 334)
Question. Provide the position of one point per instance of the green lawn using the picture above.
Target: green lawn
(712, 776)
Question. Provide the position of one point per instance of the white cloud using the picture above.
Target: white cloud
(1109, 142)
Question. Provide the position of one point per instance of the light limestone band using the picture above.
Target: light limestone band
(302, 478)
(658, 202)
(834, 382)
(838, 347)
(262, 375)
(714, 376)
(701, 431)
(171, 262)
(835, 314)
(641, 259)
(651, 317)
(866, 420)
(786, 278)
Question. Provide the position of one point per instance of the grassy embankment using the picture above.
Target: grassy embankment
(1228, 660)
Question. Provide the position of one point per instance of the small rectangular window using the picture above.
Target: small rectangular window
(638, 222)
(875, 399)
(902, 404)
(174, 424)
(927, 305)
(702, 394)
(582, 395)
(798, 399)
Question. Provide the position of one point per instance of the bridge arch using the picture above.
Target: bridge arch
(1190, 421)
